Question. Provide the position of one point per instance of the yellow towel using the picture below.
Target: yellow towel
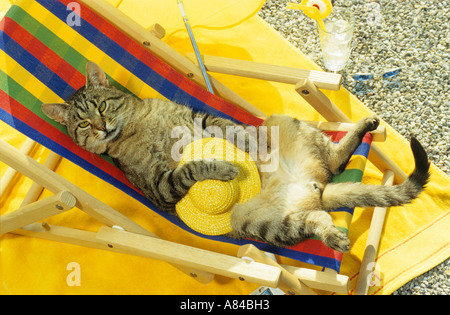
(415, 238)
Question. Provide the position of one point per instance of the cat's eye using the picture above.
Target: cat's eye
(102, 107)
(84, 124)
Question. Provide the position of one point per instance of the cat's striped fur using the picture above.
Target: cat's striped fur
(295, 198)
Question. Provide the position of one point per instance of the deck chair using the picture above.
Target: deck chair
(43, 60)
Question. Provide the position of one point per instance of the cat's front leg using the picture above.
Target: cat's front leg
(195, 171)
(243, 137)
(168, 187)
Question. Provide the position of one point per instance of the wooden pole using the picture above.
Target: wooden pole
(11, 172)
(372, 243)
(289, 283)
(37, 211)
(262, 71)
(190, 257)
(36, 189)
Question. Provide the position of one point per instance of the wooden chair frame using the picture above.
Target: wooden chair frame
(120, 234)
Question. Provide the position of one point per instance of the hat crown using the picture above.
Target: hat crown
(207, 206)
(214, 197)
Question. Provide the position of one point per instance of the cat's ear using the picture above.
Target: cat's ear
(56, 111)
(95, 76)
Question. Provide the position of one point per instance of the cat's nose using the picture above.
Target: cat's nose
(101, 126)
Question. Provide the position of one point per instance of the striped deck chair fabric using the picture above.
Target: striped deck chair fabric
(42, 60)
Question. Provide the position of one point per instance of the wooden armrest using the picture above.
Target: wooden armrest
(250, 69)
(378, 134)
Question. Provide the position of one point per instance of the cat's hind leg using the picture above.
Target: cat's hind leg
(340, 153)
(269, 222)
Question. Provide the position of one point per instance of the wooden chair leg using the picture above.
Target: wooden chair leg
(373, 240)
(36, 189)
(37, 211)
(11, 172)
(288, 282)
(328, 281)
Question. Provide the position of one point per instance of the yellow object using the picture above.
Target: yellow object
(415, 237)
(315, 9)
(202, 14)
(207, 206)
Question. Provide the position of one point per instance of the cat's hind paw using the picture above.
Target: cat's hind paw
(371, 122)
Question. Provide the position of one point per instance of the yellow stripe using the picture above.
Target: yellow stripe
(88, 50)
(27, 80)
(356, 162)
(341, 219)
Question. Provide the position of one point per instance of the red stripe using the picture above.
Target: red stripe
(318, 248)
(45, 55)
(22, 113)
(163, 69)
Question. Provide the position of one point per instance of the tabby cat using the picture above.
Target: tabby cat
(294, 198)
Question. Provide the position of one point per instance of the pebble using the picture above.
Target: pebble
(416, 102)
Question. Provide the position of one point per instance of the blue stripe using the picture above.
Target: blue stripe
(131, 63)
(363, 149)
(308, 258)
(34, 66)
(344, 209)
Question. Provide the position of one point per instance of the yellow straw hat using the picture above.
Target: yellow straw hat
(207, 206)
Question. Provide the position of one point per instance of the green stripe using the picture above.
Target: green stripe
(21, 95)
(53, 42)
(350, 175)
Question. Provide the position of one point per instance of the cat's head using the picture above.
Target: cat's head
(94, 114)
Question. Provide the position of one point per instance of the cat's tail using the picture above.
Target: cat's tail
(336, 195)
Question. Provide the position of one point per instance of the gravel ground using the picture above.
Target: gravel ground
(413, 34)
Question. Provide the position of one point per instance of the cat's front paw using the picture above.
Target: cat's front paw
(223, 170)
(371, 123)
(337, 240)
